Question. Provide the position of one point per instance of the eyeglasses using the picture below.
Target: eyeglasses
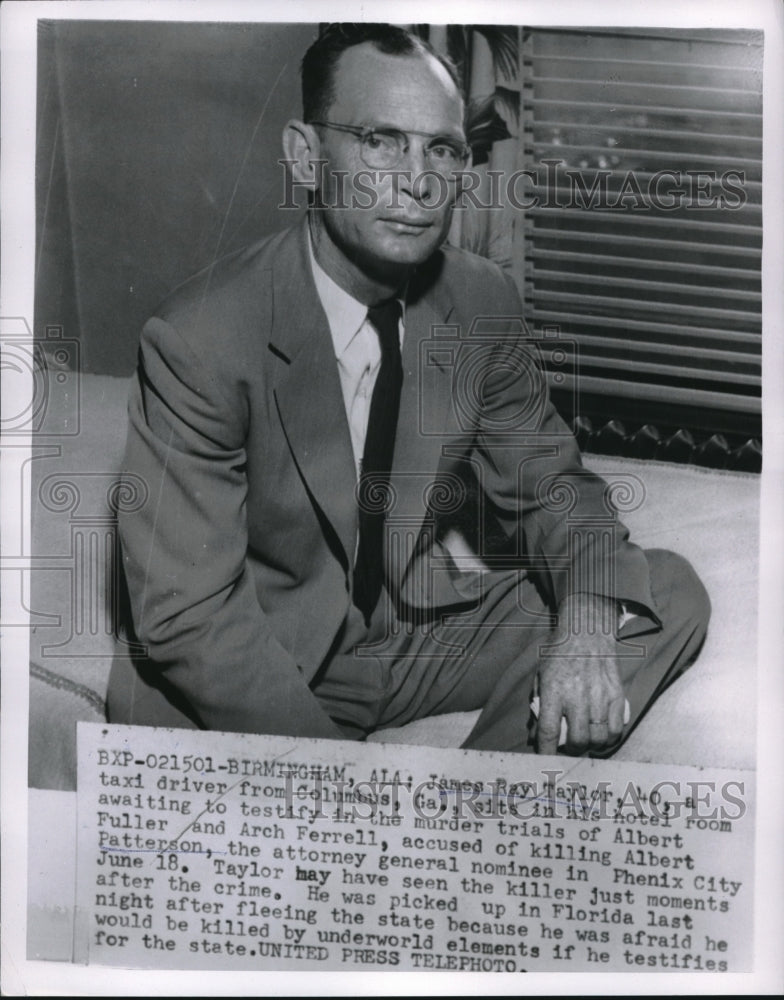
(383, 148)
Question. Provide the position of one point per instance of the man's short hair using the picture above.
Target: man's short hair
(320, 62)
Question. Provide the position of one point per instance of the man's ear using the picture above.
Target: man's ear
(301, 147)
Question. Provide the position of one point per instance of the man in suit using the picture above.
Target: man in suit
(306, 417)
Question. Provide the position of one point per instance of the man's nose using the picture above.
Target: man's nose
(417, 177)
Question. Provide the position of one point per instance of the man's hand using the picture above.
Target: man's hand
(580, 680)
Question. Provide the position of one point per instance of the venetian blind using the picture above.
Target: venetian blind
(643, 242)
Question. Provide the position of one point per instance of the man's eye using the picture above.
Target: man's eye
(443, 151)
(378, 140)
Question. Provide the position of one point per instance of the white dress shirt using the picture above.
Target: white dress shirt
(357, 350)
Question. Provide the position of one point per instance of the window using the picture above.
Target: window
(644, 240)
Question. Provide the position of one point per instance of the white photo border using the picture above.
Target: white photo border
(18, 22)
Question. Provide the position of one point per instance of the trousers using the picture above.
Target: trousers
(392, 672)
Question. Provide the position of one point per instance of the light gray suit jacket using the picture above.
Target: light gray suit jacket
(239, 567)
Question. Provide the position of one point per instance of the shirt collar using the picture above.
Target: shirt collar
(345, 314)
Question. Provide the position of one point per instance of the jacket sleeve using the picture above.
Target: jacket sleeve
(192, 593)
(561, 514)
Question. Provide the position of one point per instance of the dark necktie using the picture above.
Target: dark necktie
(377, 457)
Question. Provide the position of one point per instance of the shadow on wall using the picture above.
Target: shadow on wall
(157, 152)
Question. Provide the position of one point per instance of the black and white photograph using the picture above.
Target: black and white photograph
(392, 565)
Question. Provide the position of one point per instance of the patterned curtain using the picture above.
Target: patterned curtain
(488, 60)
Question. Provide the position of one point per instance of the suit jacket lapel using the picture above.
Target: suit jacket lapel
(426, 400)
(425, 412)
(308, 392)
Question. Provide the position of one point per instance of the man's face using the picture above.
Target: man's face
(410, 214)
